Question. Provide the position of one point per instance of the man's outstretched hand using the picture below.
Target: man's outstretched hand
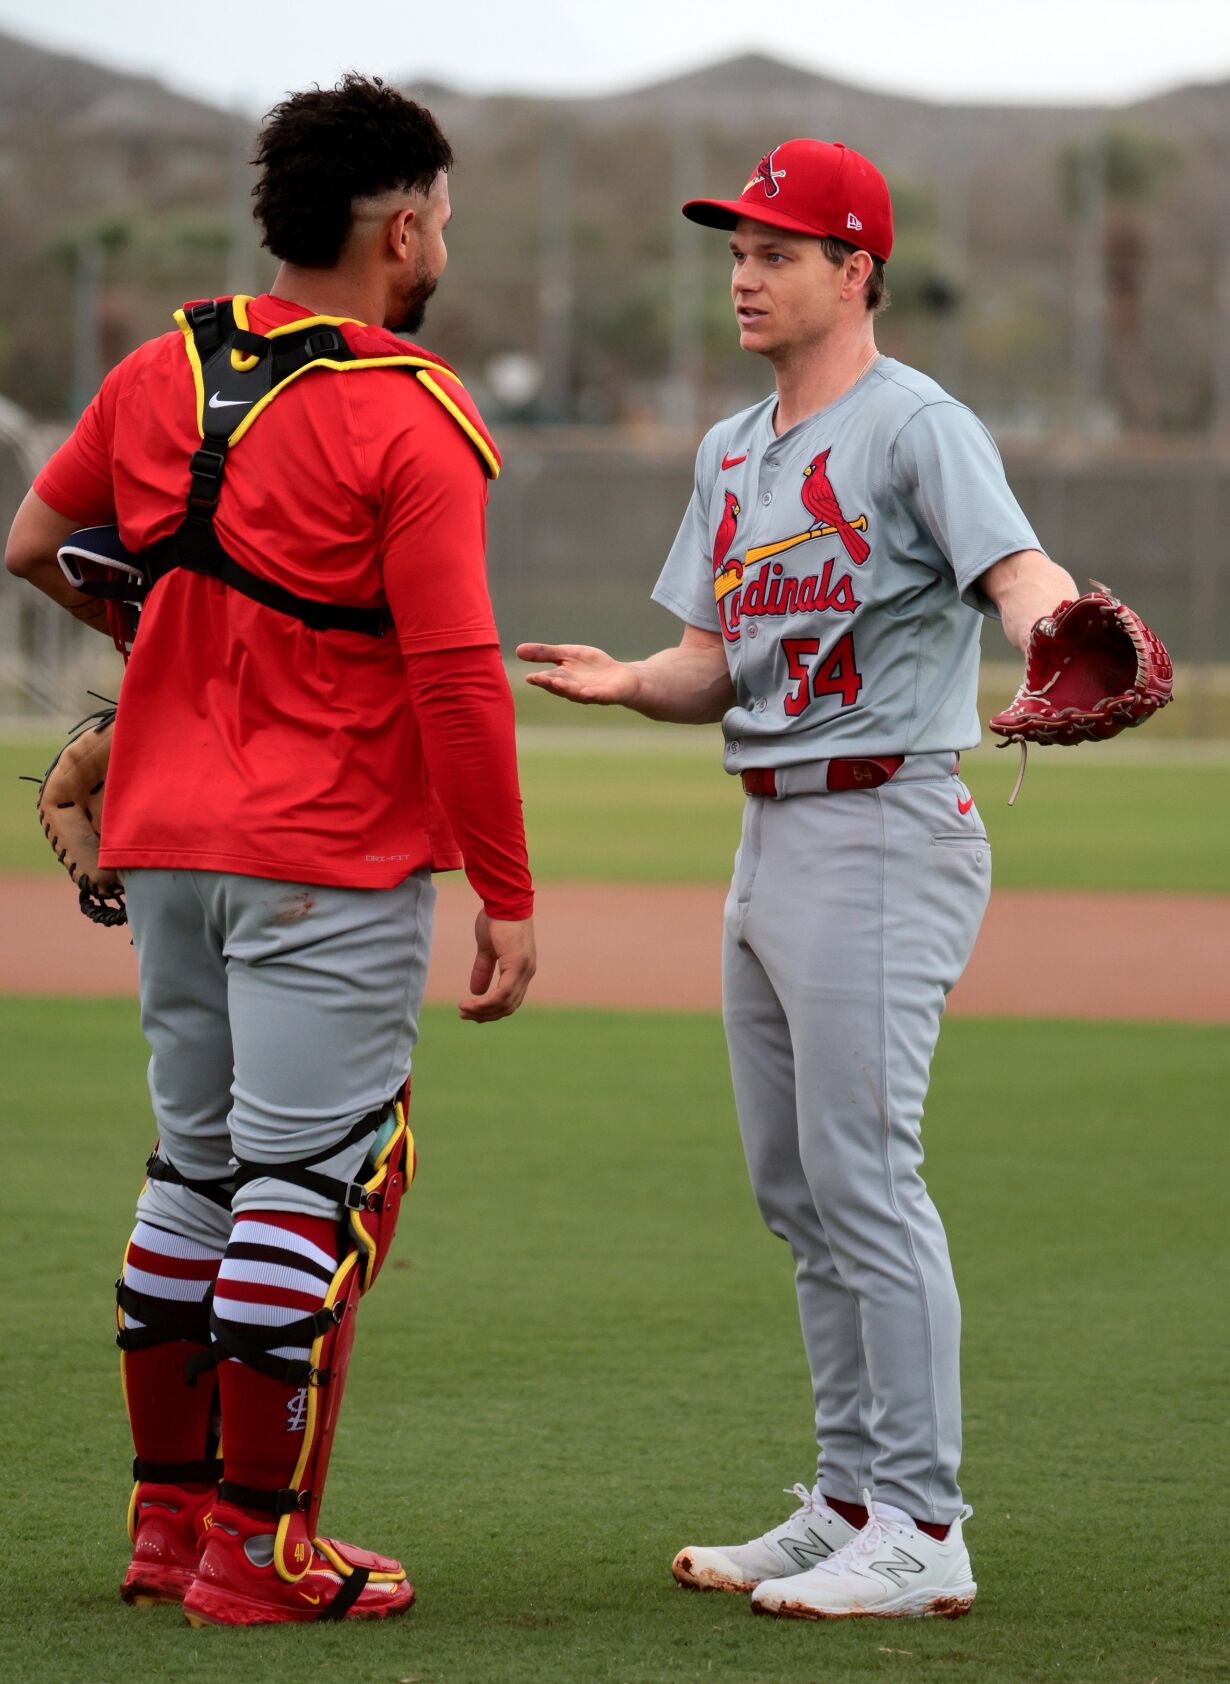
(506, 948)
(580, 673)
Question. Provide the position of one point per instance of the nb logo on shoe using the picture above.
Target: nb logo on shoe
(806, 1555)
(899, 1568)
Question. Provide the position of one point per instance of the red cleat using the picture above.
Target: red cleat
(236, 1583)
(167, 1524)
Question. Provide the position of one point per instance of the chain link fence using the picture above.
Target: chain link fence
(581, 520)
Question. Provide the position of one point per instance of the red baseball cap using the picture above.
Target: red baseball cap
(811, 187)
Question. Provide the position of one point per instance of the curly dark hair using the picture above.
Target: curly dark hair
(322, 149)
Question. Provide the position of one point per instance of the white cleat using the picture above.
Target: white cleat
(889, 1570)
(810, 1535)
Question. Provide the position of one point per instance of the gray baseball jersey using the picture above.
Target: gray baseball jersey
(840, 564)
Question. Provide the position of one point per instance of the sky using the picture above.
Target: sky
(994, 51)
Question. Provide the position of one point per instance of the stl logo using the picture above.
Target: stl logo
(296, 1410)
(769, 176)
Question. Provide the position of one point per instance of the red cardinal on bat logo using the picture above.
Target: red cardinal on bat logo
(820, 501)
(769, 176)
(724, 537)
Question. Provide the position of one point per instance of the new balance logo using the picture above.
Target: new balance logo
(899, 1568)
(852, 221)
(296, 1410)
(806, 1555)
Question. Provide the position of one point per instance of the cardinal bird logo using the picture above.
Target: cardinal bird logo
(769, 176)
(724, 537)
(820, 501)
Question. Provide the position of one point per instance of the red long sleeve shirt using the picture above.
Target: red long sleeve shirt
(246, 742)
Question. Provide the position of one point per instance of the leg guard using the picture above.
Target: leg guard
(171, 1498)
(370, 1211)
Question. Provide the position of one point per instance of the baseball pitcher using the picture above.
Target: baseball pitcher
(843, 540)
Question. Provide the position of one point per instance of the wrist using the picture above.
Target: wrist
(638, 684)
(518, 911)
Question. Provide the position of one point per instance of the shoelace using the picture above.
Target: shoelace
(872, 1538)
(877, 1533)
(807, 1505)
(806, 1497)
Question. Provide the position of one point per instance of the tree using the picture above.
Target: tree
(1112, 180)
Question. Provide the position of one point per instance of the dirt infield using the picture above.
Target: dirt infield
(1042, 953)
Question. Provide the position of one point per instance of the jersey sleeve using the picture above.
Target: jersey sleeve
(465, 713)
(432, 529)
(685, 584)
(77, 482)
(947, 473)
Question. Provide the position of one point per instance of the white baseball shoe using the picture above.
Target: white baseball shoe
(889, 1570)
(810, 1535)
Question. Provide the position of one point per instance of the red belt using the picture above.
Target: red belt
(867, 773)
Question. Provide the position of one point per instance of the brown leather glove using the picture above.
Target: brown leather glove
(70, 804)
(1093, 668)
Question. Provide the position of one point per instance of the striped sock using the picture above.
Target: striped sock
(170, 1420)
(277, 1269)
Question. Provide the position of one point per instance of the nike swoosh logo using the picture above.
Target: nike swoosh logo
(733, 461)
(308, 1598)
(964, 806)
(218, 402)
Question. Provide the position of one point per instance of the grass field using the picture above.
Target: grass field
(604, 805)
(584, 1354)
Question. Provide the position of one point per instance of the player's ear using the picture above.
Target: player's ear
(859, 266)
(401, 233)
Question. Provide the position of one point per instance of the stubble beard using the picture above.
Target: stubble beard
(413, 311)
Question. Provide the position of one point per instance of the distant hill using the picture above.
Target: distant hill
(39, 84)
(585, 191)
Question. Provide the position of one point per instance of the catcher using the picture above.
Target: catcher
(315, 717)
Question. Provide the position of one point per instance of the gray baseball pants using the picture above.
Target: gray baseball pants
(277, 1015)
(849, 919)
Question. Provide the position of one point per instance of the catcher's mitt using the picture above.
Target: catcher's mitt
(1093, 668)
(70, 802)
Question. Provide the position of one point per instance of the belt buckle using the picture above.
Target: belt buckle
(868, 772)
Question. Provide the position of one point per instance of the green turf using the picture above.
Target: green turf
(674, 817)
(584, 1354)
(662, 810)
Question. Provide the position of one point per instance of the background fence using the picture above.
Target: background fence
(581, 520)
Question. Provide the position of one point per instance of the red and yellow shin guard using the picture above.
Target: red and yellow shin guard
(369, 1224)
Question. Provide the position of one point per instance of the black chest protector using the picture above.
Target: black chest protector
(238, 372)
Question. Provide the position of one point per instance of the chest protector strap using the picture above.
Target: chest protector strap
(239, 370)
(237, 374)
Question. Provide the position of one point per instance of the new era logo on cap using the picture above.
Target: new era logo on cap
(811, 187)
